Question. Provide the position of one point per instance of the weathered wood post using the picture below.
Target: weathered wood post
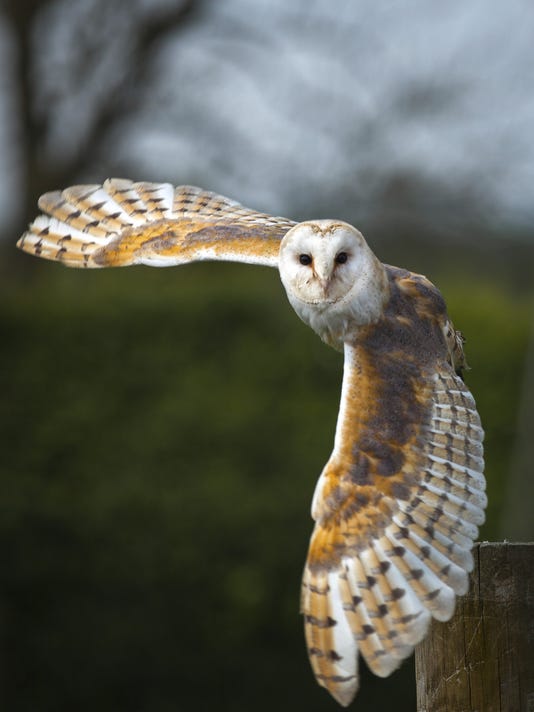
(482, 660)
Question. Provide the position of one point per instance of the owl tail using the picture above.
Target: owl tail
(80, 220)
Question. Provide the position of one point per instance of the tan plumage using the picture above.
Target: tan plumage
(398, 504)
(123, 223)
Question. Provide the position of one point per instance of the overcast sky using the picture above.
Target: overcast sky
(281, 104)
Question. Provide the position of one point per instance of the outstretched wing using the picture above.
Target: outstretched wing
(123, 223)
(397, 506)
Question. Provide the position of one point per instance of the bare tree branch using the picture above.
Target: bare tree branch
(40, 173)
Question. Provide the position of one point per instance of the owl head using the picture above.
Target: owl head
(332, 278)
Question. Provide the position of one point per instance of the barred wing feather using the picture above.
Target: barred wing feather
(397, 510)
(122, 223)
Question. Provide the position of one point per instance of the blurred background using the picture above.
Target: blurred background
(161, 431)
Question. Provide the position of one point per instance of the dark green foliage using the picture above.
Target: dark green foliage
(162, 432)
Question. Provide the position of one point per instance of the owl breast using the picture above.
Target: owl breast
(333, 322)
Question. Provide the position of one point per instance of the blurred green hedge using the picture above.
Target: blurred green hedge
(162, 432)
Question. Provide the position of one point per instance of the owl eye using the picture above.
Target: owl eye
(305, 259)
(341, 258)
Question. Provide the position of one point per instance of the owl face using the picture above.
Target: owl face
(320, 261)
(332, 278)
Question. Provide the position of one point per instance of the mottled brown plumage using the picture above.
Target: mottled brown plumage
(398, 503)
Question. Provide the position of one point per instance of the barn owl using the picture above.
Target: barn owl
(398, 504)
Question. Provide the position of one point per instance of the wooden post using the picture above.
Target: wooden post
(482, 660)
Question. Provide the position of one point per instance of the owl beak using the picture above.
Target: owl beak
(324, 283)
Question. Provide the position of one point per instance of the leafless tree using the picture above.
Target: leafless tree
(79, 70)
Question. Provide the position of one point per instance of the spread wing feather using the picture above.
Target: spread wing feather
(122, 223)
(397, 507)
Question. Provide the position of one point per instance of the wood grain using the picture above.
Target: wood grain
(482, 660)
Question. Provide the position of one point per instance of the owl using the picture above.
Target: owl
(398, 504)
